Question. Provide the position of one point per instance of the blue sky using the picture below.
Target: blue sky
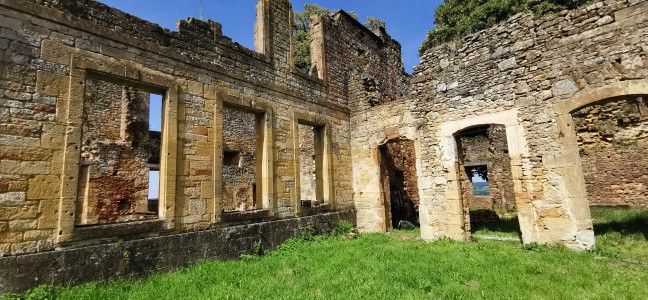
(407, 20)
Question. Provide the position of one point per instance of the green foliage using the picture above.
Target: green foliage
(257, 248)
(458, 18)
(42, 292)
(308, 233)
(375, 23)
(380, 266)
(344, 227)
(301, 33)
(475, 138)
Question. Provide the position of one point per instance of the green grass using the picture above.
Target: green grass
(395, 266)
(622, 233)
(506, 227)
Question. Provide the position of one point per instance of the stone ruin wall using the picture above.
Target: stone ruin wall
(526, 74)
(373, 83)
(613, 144)
(51, 50)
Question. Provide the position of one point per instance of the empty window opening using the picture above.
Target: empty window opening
(154, 191)
(479, 179)
(307, 164)
(242, 144)
(399, 184)
(301, 41)
(120, 155)
(486, 181)
(232, 158)
(312, 165)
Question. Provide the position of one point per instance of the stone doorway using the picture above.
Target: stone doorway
(399, 183)
(486, 181)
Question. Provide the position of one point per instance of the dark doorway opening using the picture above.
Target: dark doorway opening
(399, 184)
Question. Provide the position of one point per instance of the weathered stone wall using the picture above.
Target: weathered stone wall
(366, 67)
(52, 50)
(527, 74)
(239, 174)
(613, 143)
(358, 64)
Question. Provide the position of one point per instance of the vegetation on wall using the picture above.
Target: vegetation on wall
(458, 18)
(301, 32)
(301, 35)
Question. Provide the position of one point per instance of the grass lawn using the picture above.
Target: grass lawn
(397, 266)
(506, 227)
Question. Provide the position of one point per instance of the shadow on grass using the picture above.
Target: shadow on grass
(487, 221)
(508, 226)
(609, 220)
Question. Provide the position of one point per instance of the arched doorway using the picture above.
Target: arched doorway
(602, 131)
(442, 211)
(612, 137)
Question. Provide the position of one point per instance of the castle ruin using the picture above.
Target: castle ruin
(118, 136)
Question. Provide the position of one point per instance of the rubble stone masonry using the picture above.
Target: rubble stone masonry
(613, 144)
(72, 174)
(74, 165)
(528, 75)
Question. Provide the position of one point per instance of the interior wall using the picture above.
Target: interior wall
(307, 165)
(486, 146)
(239, 175)
(116, 149)
(613, 146)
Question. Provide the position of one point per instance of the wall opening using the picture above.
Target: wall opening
(312, 164)
(232, 158)
(486, 181)
(478, 176)
(399, 184)
(613, 145)
(242, 159)
(120, 154)
(612, 137)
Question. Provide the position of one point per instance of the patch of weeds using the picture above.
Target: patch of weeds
(345, 230)
(42, 292)
(257, 248)
(308, 233)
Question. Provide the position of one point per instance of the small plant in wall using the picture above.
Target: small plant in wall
(308, 233)
(345, 229)
(257, 248)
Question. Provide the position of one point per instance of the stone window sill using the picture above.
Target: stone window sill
(87, 232)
